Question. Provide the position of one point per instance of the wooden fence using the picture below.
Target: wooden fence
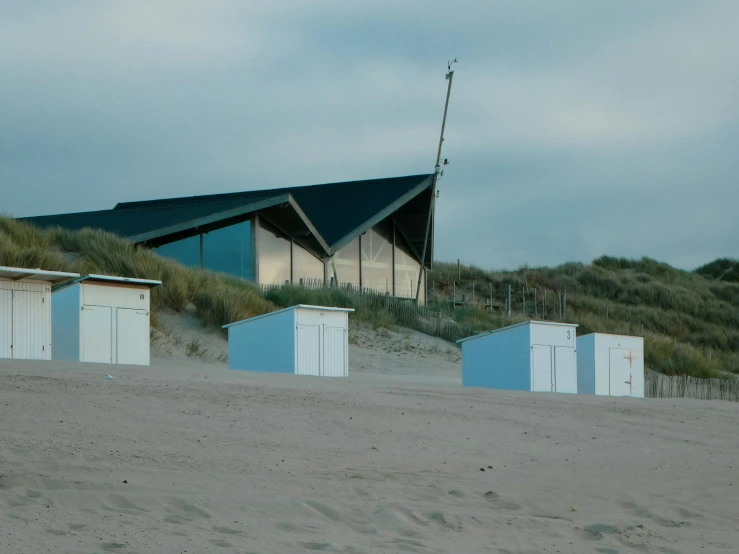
(408, 314)
(405, 311)
(657, 385)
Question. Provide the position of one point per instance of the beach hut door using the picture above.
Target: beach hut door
(29, 342)
(132, 336)
(6, 323)
(620, 372)
(334, 351)
(97, 334)
(565, 369)
(543, 376)
(309, 350)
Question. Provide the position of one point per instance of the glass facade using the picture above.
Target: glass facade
(273, 249)
(185, 251)
(377, 259)
(228, 250)
(306, 266)
(343, 266)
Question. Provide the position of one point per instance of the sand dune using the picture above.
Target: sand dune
(194, 458)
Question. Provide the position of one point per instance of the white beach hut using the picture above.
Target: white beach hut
(610, 365)
(531, 356)
(102, 319)
(25, 312)
(302, 340)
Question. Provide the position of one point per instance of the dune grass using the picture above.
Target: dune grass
(689, 320)
(690, 323)
(218, 298)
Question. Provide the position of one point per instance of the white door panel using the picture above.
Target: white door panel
(97, 334)
(620, 372)
(541, 359)
(29, 326)
(334, 352)
(309, 350)
(565, 370)
(6, 323)
(132, 336)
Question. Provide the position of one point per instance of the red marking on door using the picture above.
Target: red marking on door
(629, 357)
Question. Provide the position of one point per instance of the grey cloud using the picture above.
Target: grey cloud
(575, 128)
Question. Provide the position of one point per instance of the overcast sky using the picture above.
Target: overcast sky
(575, 128)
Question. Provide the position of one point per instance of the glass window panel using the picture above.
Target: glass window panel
(344, 265)
(273, 250)
(377, 260)
(406, 271)
(422, 295)
(306, 266)
(185, 251)
(228, 250)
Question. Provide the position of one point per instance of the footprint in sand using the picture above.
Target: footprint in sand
(603, 529)
(113, 546)
(119, 503)
(446, 521)
(684, 512)
(226, 530)
(318, 546)
(183, 506)
(641, 512)
(76, 526)
(494, 498)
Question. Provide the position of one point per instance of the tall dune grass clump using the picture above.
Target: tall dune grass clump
(217, 298)
(367, 308)
(225, 299)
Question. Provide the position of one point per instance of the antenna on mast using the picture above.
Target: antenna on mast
(438, 172)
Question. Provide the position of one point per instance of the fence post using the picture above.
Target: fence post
(454, 295)
(523, 299)
(473, 292)
(459, 271)
(508, 299)
(536, 307)
(561, 306)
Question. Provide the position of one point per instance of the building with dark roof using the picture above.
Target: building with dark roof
(368, 234)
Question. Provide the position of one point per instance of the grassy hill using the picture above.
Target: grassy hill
(690, 320)
(722, 269)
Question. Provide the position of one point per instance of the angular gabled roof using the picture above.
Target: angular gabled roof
(334, 213)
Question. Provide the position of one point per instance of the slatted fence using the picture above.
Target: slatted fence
(657, 385)
(405, 311)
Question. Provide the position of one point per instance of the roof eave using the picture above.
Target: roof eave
(212, 218)
(283, 310)
(309, 224)
(38, 275)
(382, 214)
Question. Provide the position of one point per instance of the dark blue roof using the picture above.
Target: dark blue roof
(335, 210)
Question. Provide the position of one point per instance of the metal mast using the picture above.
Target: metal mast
(437, 174)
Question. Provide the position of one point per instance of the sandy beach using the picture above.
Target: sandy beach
(190, 457)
